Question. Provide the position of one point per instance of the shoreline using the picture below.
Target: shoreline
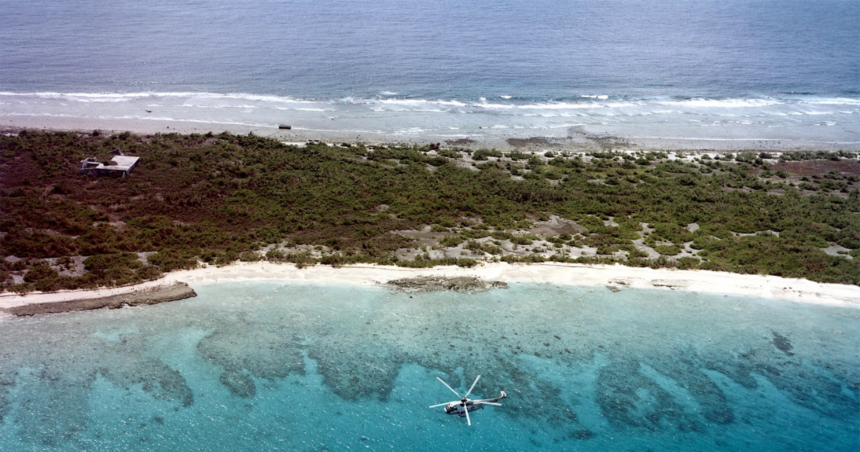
(596, 139)
(616, 276)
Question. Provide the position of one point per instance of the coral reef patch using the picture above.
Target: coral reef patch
(437, 283)
(582, 366)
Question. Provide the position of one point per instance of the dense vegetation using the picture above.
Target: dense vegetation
(221, 198)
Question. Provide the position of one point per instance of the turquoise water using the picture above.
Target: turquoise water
(283, 366)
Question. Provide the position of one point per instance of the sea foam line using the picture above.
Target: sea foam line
(583, 100)
(138, 118)
(585, 105)
(122, 97)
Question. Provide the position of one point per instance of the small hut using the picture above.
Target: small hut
(120, 165)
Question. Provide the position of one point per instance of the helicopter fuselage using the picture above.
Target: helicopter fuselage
(465, 405)
(459, 408)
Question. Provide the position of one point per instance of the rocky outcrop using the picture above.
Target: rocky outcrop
(155, 295)
(436, 283)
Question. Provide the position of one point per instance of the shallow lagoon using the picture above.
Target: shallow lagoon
(268, 365)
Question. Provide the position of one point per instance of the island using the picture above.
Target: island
(206, 201)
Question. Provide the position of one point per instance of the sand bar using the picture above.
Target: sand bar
(616, 276)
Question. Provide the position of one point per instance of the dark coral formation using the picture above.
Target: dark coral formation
(782, 343)
(436, 283)
(61, 364)
(245, 352)
(154, 377)
(626, 397)
(656, 365)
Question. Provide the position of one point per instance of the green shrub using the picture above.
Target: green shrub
(428, 263)
(667, 250)
(482, 154)
(474, 234)
(40, 272)
(250, 256)
(593, 224)
(109, 261)
(688, 263)
(451, 241)
(526, 239)
(172, 260)
(483, 247)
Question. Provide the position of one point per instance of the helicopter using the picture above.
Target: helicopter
(463, 406)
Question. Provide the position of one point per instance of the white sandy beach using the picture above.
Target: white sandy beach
(768, 287)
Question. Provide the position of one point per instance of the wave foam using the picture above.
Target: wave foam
(406, 115)
(586, 101)
(722, 103)
(123, 97)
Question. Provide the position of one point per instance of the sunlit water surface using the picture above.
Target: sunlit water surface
(283, 366)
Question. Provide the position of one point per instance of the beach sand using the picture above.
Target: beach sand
(614, 277)
(602, 138)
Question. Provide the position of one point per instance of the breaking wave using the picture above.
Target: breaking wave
(502, 115)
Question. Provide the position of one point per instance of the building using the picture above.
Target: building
(120, 165)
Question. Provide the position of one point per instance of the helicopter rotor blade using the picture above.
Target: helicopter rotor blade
(468, 421)
(434, 406)
(473, 386)
(452, 389)
(488, 403)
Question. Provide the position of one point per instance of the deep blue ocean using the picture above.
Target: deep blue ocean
(726, 70)
(252, 366)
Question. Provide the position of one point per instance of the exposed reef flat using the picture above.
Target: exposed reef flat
(438, 283)
(150, 295)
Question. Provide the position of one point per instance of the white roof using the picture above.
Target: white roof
(124, 161)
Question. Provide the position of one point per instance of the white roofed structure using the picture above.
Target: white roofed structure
(120, 165)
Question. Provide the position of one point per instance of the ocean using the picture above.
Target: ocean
(250, 366)
(727, 70)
